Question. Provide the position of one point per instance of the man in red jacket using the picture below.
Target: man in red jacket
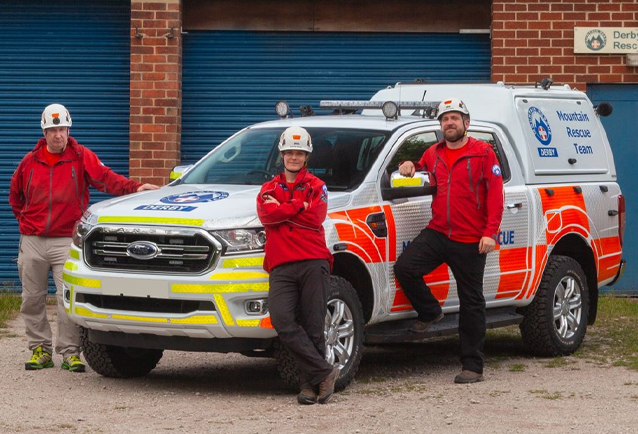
(292, 207)
(466, 214)
(49, 193)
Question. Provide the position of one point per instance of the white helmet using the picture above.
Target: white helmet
(55, 115)
(452, 105)
(295, 138)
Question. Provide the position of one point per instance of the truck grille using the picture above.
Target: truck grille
(150, 249)
(144, 304)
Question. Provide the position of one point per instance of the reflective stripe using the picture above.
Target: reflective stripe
(240, 276)
(222, 308)
(244, 262)
(248, 322)
(139, 318)
(217, 288)
(160, 220)
(197, 319)
(85, 312)
(70, 266)
(74, 254)
(87, 283)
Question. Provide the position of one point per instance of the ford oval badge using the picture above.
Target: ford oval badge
(143, 250)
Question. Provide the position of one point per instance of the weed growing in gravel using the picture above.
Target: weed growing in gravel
(518, 367)
(558, 362)
(546, 395)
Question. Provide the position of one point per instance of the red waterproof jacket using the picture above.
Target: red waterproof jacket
(292, 232)
(468, 202)
(47, 201)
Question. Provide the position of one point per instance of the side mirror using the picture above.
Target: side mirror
(179, 171)
(403, 186)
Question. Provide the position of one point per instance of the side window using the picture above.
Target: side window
(496, 146)
(412, 149)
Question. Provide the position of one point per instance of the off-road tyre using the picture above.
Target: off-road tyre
(555, 322)
(119, 362)
(343, 332)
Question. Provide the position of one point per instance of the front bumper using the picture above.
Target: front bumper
(212, 305)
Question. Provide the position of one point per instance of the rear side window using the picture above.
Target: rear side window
(491, 139)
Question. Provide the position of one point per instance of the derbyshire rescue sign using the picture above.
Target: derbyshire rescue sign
(605, 40)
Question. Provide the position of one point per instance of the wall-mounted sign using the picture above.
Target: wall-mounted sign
(605, 40)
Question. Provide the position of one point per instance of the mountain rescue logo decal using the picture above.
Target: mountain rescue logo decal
(595, 40)
(194, 197)
(542, 131)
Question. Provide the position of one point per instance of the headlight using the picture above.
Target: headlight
(242, 240)
(82, 228)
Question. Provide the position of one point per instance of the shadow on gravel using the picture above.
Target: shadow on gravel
(219, 374)
(436, 356)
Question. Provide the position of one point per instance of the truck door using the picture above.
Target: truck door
(507, 269)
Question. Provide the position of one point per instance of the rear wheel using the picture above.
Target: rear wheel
(343, 333)
(555, 322)
(119, 362)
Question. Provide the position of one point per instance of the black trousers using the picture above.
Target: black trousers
(425, 253)
(297, 303)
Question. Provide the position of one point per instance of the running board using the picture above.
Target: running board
(392, 332)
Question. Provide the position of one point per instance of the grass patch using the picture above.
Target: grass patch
(613, 339)
(9, 307)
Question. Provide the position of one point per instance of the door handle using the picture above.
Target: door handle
(517, 205)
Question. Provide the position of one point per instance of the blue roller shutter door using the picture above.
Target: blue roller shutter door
(76, 53)
(622, 129)
(233, 79)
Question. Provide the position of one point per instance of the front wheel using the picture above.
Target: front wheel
(343, 334)
(119, 362)
(555, 322)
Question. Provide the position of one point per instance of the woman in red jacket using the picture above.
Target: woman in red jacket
(292, 207)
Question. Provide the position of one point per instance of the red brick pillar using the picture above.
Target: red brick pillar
(156, 89)
(532, 40)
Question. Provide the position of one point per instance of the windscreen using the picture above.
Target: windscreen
(340, 157)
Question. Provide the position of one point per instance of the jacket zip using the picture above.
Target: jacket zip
(26, 199)
(46, 228)
(77, 187)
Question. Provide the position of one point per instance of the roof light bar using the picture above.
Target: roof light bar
(428, 107)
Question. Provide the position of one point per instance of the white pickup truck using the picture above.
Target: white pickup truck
(181, 267)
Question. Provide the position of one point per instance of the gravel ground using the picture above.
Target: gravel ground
(403, 388)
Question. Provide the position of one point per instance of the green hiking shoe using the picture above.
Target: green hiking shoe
(73, 364)
(39, 360)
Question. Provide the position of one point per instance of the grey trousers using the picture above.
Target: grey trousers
(36, 257)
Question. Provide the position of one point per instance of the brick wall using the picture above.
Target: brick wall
(532, 40)
(156, 90)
